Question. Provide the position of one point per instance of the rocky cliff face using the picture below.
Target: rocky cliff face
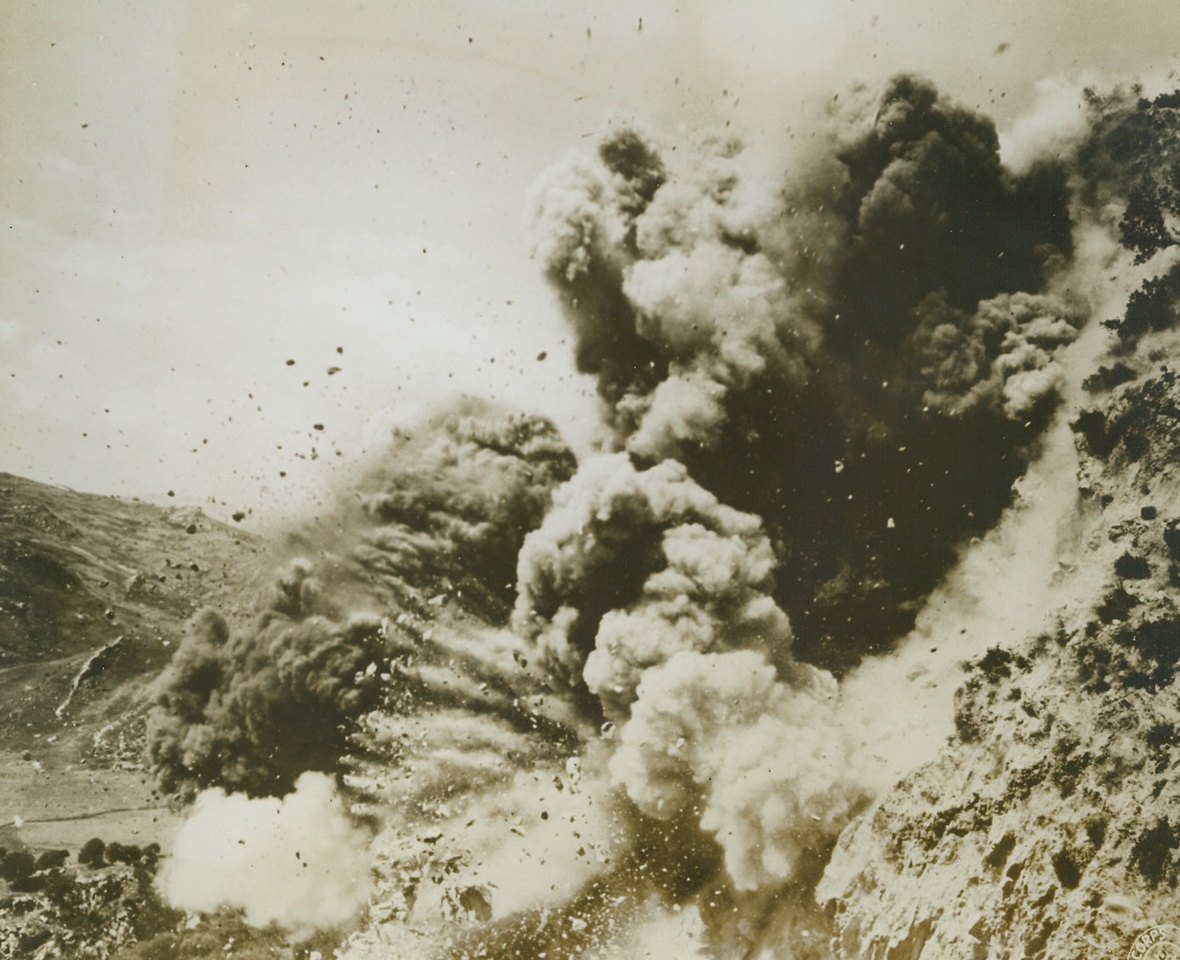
(1049, 826)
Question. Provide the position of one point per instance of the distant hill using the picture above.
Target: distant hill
(85, 576)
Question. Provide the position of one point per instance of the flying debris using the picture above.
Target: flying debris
(251, 710)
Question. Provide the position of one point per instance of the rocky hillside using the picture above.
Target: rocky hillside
(93, 595)
(98, 587)
(1050, 826)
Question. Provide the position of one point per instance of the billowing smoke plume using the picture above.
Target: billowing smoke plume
(456, 496)
(867, 345)
(632, 566)
(299, 862)
(1000, 358)
(253, 711)
(818, 386)
(761, 761)
(645, 588)
(449, 503)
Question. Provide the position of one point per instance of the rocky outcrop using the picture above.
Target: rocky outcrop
(1050, 825)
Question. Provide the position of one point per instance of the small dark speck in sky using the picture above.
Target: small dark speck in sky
(1000, 48)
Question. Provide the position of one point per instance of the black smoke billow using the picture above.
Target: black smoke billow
(862, 355)
(254, 710)
(455, 497)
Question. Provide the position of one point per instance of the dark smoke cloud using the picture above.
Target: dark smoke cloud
(455, 496)
(929, 207)
(447, 507)
(866, 345)
(253, 711)
(1001, 359)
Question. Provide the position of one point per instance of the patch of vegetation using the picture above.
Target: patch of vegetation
(1132, 567)
(68, 912)
(1152, 853)
(999, 854)
(1107, 378)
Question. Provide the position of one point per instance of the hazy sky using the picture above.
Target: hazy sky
(194, 193)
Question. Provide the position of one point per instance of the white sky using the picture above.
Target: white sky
(193, 193)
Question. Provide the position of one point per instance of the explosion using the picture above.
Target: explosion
(818, 387)
(792, 371)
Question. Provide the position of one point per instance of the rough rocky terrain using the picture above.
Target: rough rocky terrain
(1050, 825)
(93, 594)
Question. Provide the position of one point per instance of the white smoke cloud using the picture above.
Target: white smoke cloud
(572, 210)
(699, 574)
(1057, 121)
(684, 409)
(298, 861)
(720, 314)
(765, 761)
